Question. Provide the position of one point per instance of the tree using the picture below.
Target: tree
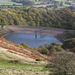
(62, 63)
(24, 44)
(69, 43)
(43, 50)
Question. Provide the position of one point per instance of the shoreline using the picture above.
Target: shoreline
(58, 34)
(5, 31)
(43, 31)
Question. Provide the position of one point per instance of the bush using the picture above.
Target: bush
(52, 50)
(45, 51)
(13, 61)
(63, 62)
(69, 43)
(19, 45)
(72, 50)
(59, 48)
(42, 47)
(46, 45)
(38, 59)
(54, 43)
(24, 44)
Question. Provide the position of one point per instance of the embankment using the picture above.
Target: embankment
(5, 31)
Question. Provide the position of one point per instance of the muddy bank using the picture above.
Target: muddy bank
(5, 31)
(42, 31)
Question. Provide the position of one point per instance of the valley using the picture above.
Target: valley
(37, 37)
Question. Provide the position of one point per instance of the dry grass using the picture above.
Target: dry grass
(23, 71)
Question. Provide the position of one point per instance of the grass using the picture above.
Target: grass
(61, 0)
(7, 63)
(8, 66)
(21, 69)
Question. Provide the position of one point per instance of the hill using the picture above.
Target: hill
(52, 4)
(21, 61)
(38, 17)
(48, 4)
(15, 50)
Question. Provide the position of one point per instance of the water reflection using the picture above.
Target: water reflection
(30, 39)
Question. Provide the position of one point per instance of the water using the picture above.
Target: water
(30, 39)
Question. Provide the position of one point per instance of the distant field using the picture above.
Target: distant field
(65, 1)
(8, 2)
(43, 5)
(61, 0)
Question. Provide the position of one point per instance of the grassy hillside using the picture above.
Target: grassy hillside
(15, 64)
(15, 60)
(11, 66)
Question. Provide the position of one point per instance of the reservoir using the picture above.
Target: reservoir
(30, 39)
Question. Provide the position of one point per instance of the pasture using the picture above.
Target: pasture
(8, 2)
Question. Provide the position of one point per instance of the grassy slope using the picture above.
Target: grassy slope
(13, 64)
(10, 67)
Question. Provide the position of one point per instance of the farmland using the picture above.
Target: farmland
(52, 4)
(8, 2)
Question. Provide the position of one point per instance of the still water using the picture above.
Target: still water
(30, 39)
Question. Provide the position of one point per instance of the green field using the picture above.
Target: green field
(65, 1)
(8, 2)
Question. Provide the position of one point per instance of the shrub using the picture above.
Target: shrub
(46, 45)
(45, 51)
(52, 50)
(63, 62)
(59, 48)
(24, 44)
(42, 47)
(69, 43)
(19, 45)
(72, 50)
(38, 59)
(54, 43)
(13, 61)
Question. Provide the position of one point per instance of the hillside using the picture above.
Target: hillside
(17, 60)
(38, 17)
(14, 49)
(14, 59)
(48, 4)
(51, 4)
